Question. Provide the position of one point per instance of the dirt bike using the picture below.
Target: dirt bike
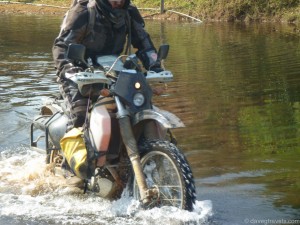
(127, 139)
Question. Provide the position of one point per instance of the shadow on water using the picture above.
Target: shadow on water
(236, 88)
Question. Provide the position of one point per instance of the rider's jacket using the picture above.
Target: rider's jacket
(105, 37)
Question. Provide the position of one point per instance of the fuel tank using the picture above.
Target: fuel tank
(100, 130)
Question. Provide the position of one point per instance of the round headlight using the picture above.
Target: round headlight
(138, 99)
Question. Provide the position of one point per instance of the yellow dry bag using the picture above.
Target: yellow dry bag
(73, 147)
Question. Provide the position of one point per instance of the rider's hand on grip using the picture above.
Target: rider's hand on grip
(156, 68)
(69, 69)
(148, 58)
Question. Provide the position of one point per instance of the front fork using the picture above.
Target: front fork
(133, 153)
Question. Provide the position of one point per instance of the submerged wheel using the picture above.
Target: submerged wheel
(56, 157)
(49, 156)
(167, 169)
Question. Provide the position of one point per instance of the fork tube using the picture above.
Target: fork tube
(132, 150)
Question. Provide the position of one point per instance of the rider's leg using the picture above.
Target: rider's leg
(76, 103)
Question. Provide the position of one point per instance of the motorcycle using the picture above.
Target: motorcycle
(127, 140)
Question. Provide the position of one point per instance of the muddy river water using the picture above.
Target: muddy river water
(236, 88)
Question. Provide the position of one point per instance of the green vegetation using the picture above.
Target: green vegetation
(216, 10)
(231, 10)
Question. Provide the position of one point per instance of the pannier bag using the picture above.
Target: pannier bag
(74, 149)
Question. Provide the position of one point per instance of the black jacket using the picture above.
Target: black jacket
(104, 38)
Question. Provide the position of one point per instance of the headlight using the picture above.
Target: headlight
(138, 99)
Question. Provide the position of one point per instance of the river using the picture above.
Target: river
(236, 88)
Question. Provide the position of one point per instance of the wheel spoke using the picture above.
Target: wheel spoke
(170, 199)
(166, 169)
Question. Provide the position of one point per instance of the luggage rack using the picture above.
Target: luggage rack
(41, 123)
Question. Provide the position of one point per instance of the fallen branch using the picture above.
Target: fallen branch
(168, 10)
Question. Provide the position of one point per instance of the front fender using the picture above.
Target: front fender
(165, 118)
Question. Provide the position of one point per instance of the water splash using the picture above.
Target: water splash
(29, 192)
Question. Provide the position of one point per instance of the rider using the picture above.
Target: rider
(113, 22)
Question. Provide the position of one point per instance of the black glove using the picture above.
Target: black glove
(149, 58)
(69, 69)
(156, 68)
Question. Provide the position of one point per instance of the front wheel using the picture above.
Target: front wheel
(167, 169)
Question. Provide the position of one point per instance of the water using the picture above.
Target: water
(237, 90)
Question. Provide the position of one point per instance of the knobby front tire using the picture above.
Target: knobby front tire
(166, 168)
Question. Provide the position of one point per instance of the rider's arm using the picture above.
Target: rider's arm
(72, 31)
(141, 40)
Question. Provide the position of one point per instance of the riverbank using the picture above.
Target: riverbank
(233, 10)
(183, 10)
(31, 9)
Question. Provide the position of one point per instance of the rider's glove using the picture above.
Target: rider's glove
(156, 68)
(69, 69)
(149, 59)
